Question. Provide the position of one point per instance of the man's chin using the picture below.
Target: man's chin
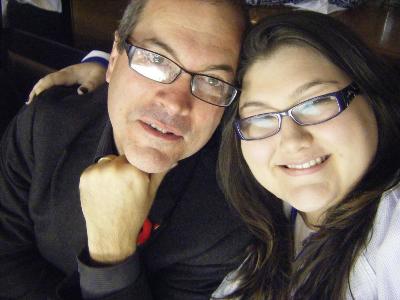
(151, 162)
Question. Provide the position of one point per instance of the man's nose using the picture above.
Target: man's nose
(176, 97)
(294, 137)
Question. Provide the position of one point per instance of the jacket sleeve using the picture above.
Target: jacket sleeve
(23, 272)
(99, 281)
(136, 290)
(194, 279)
(199, 277)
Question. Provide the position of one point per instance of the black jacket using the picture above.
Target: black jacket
(42, 229)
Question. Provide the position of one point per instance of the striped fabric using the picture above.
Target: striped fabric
(340, 3)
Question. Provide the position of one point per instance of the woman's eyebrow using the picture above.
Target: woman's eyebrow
(295, 94)
(308, 85)
(252, 103)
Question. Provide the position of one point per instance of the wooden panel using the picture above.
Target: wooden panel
(94, 22)
(378, 26)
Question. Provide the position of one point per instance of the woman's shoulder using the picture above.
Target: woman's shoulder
(387, 243)
(388, 214)
(375, 272)
(385, 232)
(387, 221)
(392, 192)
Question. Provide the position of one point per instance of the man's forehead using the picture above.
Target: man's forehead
(196, 16)
(191, 28)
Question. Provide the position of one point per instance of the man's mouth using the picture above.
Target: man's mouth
(158, 130)
(154, 126)
(308, 164)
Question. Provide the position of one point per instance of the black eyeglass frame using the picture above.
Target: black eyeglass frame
(343, 98)
(128, 46)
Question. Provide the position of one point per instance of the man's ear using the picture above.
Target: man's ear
(113, 57)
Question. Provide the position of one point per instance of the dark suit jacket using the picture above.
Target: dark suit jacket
(42, 229)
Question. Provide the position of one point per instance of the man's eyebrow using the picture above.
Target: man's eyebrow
(295, 94)
(221, 67)
(161, 45)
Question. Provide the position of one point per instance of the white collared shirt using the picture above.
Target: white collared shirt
(50, 5)
(376, 272)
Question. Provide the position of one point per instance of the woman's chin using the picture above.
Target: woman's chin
(311, 199)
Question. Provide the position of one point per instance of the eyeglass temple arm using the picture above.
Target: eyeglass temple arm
(347, 95)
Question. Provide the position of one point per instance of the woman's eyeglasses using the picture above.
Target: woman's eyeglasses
(310, 112)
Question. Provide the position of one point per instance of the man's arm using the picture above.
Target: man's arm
(23, 272)
(194, 278)
(116, 198)
(195, 247)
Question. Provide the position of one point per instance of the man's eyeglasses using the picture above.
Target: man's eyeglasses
(159, 68)
(310, 112)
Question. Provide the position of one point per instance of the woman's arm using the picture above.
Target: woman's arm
(88, 75)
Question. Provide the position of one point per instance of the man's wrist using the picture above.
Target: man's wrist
(109, 251)
(102, 256)
(98, 281)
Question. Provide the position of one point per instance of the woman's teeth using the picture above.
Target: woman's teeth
(308, 164)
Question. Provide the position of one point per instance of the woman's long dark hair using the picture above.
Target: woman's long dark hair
(323, 271)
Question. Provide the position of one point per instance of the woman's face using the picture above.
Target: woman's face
(310, 167)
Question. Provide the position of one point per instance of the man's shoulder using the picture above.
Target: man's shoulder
(57, 119)
(61, 113)
(63, 103)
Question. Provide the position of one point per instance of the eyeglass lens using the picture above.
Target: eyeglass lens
(161, 69)
(310, 112)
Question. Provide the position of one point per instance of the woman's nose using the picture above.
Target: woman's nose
(294, 137)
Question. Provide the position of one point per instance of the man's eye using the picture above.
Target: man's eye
(157, 59)
(212, 81)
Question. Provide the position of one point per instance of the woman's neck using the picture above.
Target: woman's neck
(313, 220)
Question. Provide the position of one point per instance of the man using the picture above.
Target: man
(78, 172)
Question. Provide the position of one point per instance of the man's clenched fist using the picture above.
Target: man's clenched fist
(116, 198)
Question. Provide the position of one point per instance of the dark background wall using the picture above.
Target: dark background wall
(35, 42)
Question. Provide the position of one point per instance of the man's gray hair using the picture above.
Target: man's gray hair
(135, 7)
(129, 20)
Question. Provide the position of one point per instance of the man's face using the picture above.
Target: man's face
(155, 125)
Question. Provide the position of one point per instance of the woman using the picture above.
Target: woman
(316, 133)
